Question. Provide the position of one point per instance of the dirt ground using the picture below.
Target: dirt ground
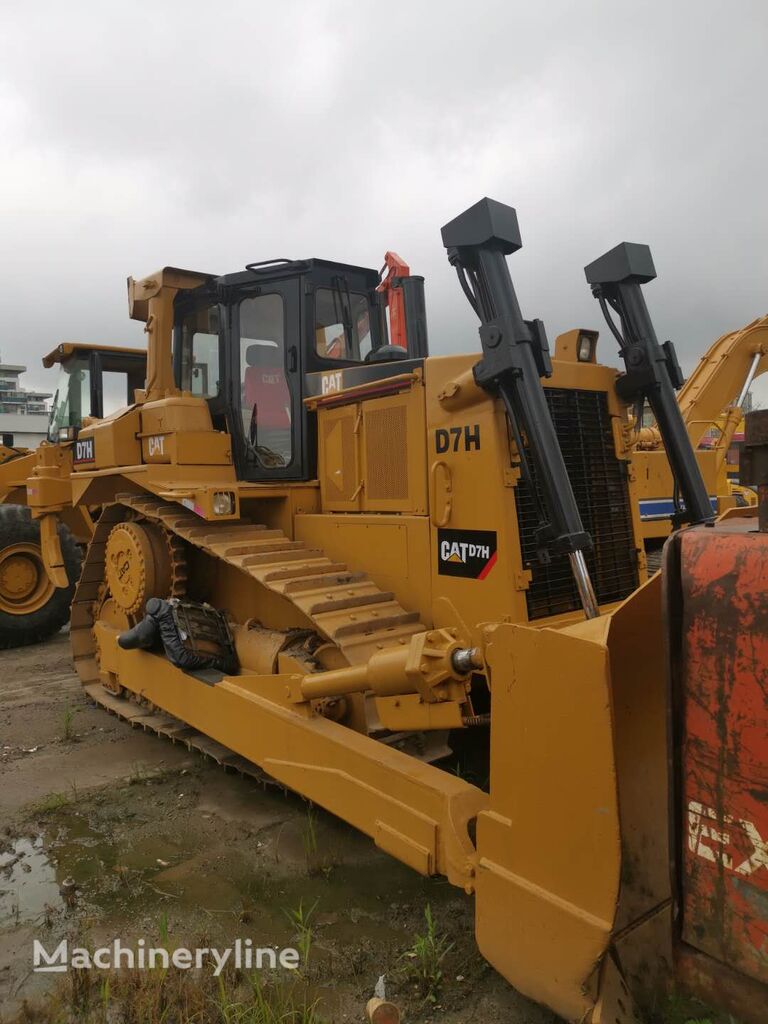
(107, 831)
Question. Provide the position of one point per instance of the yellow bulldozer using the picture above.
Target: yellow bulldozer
(340, 559)
(37, 578)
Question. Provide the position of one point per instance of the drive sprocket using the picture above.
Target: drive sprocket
(142, 560)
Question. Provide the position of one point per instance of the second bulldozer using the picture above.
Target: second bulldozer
(40, 559)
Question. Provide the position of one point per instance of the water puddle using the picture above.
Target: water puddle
(28, 883)
(133, 861)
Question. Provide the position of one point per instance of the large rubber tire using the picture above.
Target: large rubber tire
(43, 615)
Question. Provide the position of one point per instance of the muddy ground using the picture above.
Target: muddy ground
(106, 831)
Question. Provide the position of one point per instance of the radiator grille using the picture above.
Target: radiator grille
(599, 484)
(386, 455)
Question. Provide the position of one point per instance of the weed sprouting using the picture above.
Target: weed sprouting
(423, 962)
(67, 725)
(309, 839)
(159, 996)
(50, 803)
(301, 919)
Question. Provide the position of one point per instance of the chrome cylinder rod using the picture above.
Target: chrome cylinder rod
(748, 382)
(584, 584)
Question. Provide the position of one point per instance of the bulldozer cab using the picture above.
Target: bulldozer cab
(93, 381)
(247, 341)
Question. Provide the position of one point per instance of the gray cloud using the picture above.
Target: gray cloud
(206, 136)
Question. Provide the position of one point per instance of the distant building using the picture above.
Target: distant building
(23, 414)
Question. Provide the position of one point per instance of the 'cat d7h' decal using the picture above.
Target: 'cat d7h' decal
(467, 553)
(84, 451)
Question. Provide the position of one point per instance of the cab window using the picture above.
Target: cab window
(342, 324)
(265, 392)
(72, 400)
(116, 391)
(200, 352)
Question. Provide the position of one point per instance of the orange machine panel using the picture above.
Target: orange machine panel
(724, 745)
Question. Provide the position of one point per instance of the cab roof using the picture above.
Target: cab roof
(280, 268)
(65, 349)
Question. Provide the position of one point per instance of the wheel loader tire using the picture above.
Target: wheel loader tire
(31, 607)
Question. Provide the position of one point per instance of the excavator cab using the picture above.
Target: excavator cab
(247, 341)
(92, 380)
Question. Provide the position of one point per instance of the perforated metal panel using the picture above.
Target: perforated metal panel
(599, 482)
(394, 453)
(386, 453)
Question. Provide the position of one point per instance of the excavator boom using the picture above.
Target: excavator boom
(722, 379)
(711, 403)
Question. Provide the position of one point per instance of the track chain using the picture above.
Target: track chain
(343, 605)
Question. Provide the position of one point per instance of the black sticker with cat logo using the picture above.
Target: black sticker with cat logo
(467, 553)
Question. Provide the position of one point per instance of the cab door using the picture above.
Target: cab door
(264, 354)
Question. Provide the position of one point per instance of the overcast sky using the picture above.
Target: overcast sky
(209, 135)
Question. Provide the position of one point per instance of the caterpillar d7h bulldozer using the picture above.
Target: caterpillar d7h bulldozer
(339, 559)
(40, 558)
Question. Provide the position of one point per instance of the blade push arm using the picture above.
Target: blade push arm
(515, 358)
(652, 370)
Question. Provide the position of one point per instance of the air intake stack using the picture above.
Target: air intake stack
(652, 371)
(515, 358)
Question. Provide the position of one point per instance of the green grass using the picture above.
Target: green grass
(423, 962)
(67, 725)
(309, 840)
(50, 803)
(679, 1008)
(301, 919)
(275, 1004)
(173, 997)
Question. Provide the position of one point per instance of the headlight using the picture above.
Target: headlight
(223, 503)
(586, 348)
(66, 433)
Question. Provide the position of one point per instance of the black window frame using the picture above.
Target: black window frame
(297, 282)
(188, 302)
(360, 281)
(289, 290)
(133, 365)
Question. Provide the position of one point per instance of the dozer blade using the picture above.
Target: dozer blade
(573, 892)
